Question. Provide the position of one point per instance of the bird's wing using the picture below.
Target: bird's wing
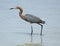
(32, 19)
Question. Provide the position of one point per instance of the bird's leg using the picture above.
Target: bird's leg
(31, 29)
(41, 28)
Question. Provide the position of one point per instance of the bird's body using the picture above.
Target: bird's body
(30, 18)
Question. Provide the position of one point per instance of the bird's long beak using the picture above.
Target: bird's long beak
(12, 8)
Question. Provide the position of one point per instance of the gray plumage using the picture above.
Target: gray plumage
(33, 19)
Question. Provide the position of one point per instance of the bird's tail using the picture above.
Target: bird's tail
(43, 22)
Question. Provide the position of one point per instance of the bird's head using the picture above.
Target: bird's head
(19, 8)
(16, 8)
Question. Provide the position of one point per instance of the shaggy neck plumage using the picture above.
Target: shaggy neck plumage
(20, 14)
(21, 11)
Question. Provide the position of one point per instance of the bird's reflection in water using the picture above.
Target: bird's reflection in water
(31, 43)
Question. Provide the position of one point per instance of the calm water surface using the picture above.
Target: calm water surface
(15, 32)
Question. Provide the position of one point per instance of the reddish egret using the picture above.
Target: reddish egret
(31, 19)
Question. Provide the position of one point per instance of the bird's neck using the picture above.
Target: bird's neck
(23, 17)
(21, 10)
(20, 14)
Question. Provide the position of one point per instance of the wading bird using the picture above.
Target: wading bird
(30, 18)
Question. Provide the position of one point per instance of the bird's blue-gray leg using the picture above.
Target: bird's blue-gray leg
(31, 29)
(41, 29)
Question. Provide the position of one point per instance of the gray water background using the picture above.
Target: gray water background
(14, 30)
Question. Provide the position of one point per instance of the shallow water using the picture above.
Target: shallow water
(25, 39)
(16, 32)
